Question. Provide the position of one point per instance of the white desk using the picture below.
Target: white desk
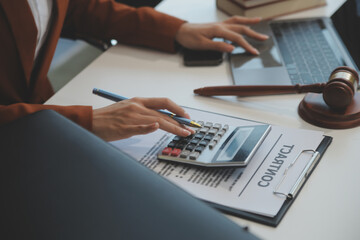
(328, 207)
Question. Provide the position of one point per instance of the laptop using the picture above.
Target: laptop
(301, 51)
(59, 181)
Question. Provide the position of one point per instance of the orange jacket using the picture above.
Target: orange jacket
(24, 86)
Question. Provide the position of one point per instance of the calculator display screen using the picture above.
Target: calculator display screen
(237, 141)
(241, 144)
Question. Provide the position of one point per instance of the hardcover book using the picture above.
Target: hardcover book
(266, 9)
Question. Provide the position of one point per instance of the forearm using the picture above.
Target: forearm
(107, 20)
(82, 115)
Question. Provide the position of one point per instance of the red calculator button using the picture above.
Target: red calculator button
(175, 152)
(166, 151)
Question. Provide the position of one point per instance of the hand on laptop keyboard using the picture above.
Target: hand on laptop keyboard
(200, 36)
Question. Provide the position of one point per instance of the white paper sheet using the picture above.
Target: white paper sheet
(250, 190)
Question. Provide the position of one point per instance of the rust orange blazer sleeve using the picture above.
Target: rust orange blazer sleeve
(79, 114)
(24, 86)
(108, 20)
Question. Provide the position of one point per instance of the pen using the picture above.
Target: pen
(117, 98)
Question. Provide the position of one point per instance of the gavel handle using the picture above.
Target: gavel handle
(258, 90)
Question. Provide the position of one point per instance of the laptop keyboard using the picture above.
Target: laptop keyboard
(307, 54)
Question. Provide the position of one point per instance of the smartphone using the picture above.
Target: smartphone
(202, 57)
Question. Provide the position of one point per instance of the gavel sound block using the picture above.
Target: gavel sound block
(335, 104)
(338, 106)
(314, 110)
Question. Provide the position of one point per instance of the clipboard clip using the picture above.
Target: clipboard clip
(302, 177)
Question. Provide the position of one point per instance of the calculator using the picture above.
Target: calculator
(215, 145)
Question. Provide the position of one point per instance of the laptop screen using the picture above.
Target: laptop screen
(347, 23)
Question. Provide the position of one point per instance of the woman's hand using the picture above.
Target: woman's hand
(199, 36)
(137, 116)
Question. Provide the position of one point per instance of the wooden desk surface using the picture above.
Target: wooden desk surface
(328, 207)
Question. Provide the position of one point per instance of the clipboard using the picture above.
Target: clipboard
(290, 197)
(144, 149)
(273, 222)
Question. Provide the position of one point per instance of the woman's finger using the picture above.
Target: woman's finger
(163, 103)
(168, 124)
(237, 39)
(248, 32)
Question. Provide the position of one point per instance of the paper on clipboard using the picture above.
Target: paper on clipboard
(250, 189)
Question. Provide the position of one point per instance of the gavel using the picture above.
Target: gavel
(338, 92)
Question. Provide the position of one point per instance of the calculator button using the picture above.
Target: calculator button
(208, 137)
(180, 145)
(185, 154)
(221, 133)
(203, 143)
(199, 135)
(195, 141)
(212, 144)
(226, 127)
(199, 149)
(190, 147)
(177, 138)
(166, 151)
(188, 138)
(194, 155)
(175, 152)
(213, 131)
(208, 124)
(217, 126)
(217, 139)
(204, 130)
(171, 144)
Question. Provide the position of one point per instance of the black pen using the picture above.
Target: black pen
(117, 98)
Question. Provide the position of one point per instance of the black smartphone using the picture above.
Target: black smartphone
(202, 57)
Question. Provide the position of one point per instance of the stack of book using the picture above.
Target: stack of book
(266, 9)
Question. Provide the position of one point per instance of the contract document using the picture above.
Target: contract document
(250, 188)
